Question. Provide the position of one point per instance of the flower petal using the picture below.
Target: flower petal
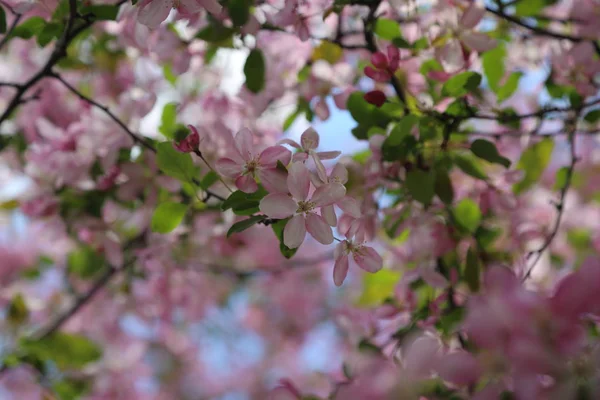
(273, 179)
(309, 139)
(298, 181)
(328, 214)
(302, 156)
(152, 13)
(368, 259)
(278, 205)
(246, 183)
(328, 155)
(212, 6)
(350, 206)
(290, 142)
(328, 194)
(472, 16)
(244, 142)
(340, 270)
(319, 229)
(269, 156)
(478, 41)
(320, 167)
(294, 232)
(229, 168)
(339, 173)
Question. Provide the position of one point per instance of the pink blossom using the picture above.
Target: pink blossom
(309, 141)
(153, 12)
(246, 164)
(348, 204)
(365, 257)
(190, 143)
(302, 208)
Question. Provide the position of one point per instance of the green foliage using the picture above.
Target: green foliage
(387, 29)
(2, 20)
(168, 120)
(29, 28)
(215, 32)
(17, 312)
(244, 203)
(174, 163)
(509, 87)
(67, 351)
(85, 262)
(467, 214)
(239, 11)
(368, 115)
(534, 161)
(208, 180)
(461, 84)
(278, 228)
(561, 178)
(255, 71)
(167, 217)
(472, 270)
(101, 12)
(592, 117)
(487, 150)
(421, 185)
(493, 66)
(469, 166)
(443, 186)
(378, 287)
(50, 32)
(245, 224)
(532, 7)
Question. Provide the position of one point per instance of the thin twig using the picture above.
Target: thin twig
(560, 206)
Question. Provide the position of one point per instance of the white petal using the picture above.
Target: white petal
(319, 229)
(328, 194)
(294, 232)
(278, 205)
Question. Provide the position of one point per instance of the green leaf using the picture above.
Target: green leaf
(167, 217)
(245, 224)
(17, 312)
(358, 107)
(71, 389)
(529, 7)
(174, 163)
(421, 185)
(470, 167)
(209, 179)
(534, 161)
(472, 270)
(401, 130)
(254, 70)
(328, 51)
(215, 32)
(102, 12)
(561, 178)
(487, 150)
(67, 351)
(592, 117)
(378, 287)
(493, 65)
(401, 43)
(51, 31)
(30, 28)
(443, 186)
(168, 120)
(239, 11)
(278, 228)
(244, 203)
(85, 262)
(507, 90)
(468, 215)
(387, 29)
(2, 20)
(461, 84)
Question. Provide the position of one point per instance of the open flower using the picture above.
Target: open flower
(154, 12)
(246, 164)
(385, 65)
(309, 143)
(365, 257)
(301, 208)
(349, 205)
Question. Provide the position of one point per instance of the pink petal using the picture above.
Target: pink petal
(433, 278)
(339, 173)
(294, 232)
(298, 181)
(246, 183)
(229, 168)
(379, 60)
(153, 12)
(244, 142)
(350, 206)
(341, 99)
(328, 194)
(377, 75)
(328, 155)
(319, 229)
(315, 180)
(340, 270)
(322, 109)
(368, 259)
(459, 368)
(472, 16)
(212, 6)
(302, 156)
(269, 156)
(394, 57)
(273, 179)
(478, 41)
(282, 393)
(320, 167)
(189, 7)
(450, 56)
(309, 139)
(328, 213)
(290, 142)
(278, 205)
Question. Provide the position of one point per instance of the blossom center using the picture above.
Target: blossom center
(252, 166)
(305, 206)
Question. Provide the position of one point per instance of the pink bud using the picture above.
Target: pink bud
(378, 75)
(393, 57)
(379, 60)
(375, 97)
